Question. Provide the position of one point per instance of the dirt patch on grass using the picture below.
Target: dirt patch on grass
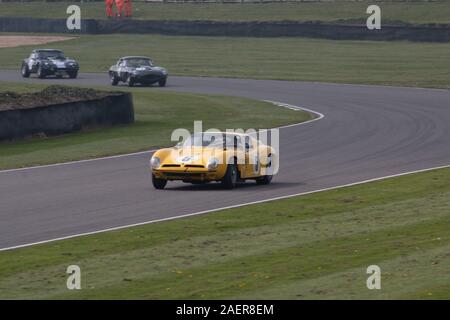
(17, 41)
(51, 95)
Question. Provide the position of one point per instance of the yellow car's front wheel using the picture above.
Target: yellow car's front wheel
(231, 177)
(158, 183)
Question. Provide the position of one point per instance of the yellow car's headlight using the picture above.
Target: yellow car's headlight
(213, 163)
(155, 162)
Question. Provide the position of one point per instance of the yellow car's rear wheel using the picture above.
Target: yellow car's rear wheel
(264, 180)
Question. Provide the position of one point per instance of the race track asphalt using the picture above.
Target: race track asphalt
(367, 132)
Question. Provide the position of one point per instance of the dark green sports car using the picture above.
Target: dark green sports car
(133, 70)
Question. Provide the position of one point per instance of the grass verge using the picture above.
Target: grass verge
(314, 246)
(362, 62)
(157, 115)
(415, 12)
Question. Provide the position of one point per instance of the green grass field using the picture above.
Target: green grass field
(311, 247)
(417, 12)
(315, 246)
(157, 114)
(362, 62)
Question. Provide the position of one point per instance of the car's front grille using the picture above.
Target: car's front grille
(183, 174)
(150, 78)
(169, 165)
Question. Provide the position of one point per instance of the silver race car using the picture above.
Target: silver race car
(49, 62)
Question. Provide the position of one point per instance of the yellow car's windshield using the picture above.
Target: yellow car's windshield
(215, 140)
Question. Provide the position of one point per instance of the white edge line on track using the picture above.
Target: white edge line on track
(280, 104)
(77, 161)
(223, 208)
(319, 116)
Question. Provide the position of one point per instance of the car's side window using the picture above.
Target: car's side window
(238, 142)
(248, 143)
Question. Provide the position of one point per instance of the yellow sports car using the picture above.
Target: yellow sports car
(215, 156)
